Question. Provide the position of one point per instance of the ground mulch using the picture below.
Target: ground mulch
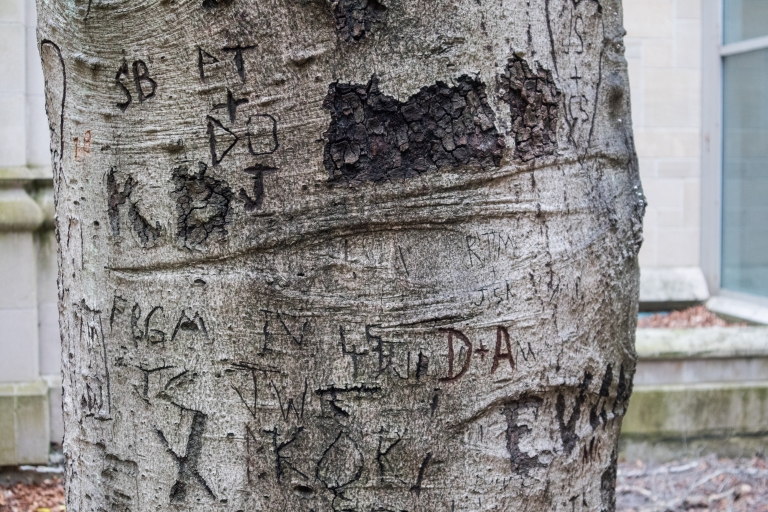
(698, 316)
(701, 485)
(45, 496)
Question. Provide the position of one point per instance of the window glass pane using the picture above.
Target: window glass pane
(744, 19)
(745, 173)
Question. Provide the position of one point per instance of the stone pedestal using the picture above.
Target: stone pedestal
(24, 404)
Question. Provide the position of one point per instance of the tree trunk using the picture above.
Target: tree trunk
(349, 255)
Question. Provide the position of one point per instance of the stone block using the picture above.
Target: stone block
(50, 340)
(688, 9)
(687, 168)
(12, 64)
(671, 217)
(692, 203)
(712, 354)
(666, 143)
(38, 138)
(678, 247)
(740, 310)
(662, 288)
(649, 18)
(672, 98)
(55, 407)
(688, 44)
(17, 267)
(12, 12)
(12, 129)
(46, 250)
(38, 152)
(658, 53)
(30, 14)
(18, 345)
(697, 410)
(647, 256)
(702, 343)
(662, 193)
(24, 423)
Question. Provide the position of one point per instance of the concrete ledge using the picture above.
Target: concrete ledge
(694, 356)
(667, 422)
(705, 342)
(24, 423)
(18, 211)
(672, 288)
(740, 310)
(698, 411)
(55, 408)
(675, 448)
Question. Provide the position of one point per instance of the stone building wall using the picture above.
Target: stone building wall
(30, 415)
(663, 48)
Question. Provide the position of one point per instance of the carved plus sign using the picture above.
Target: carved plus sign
(482, 351)
(576, 78)
(231, 105)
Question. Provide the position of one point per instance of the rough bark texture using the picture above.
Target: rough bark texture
(350, 255)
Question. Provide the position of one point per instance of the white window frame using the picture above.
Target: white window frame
(713, 51)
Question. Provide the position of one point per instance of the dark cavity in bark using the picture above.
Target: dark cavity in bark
(202, 207)
(354, 18)
(534, 105)
(145, 231)
(374, 137)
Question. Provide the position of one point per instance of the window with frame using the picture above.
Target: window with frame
(744, 228)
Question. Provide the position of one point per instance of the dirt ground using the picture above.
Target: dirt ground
(44, 496)
(698, 316)
(701, 485)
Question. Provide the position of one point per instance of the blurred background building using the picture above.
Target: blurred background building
(699, 84)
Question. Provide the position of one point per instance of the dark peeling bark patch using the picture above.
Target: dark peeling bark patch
(354, 18)
(374, 137)
(534, 104)
(202, 207)
(521, 462)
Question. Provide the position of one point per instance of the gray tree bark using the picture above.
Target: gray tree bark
(349, 255)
